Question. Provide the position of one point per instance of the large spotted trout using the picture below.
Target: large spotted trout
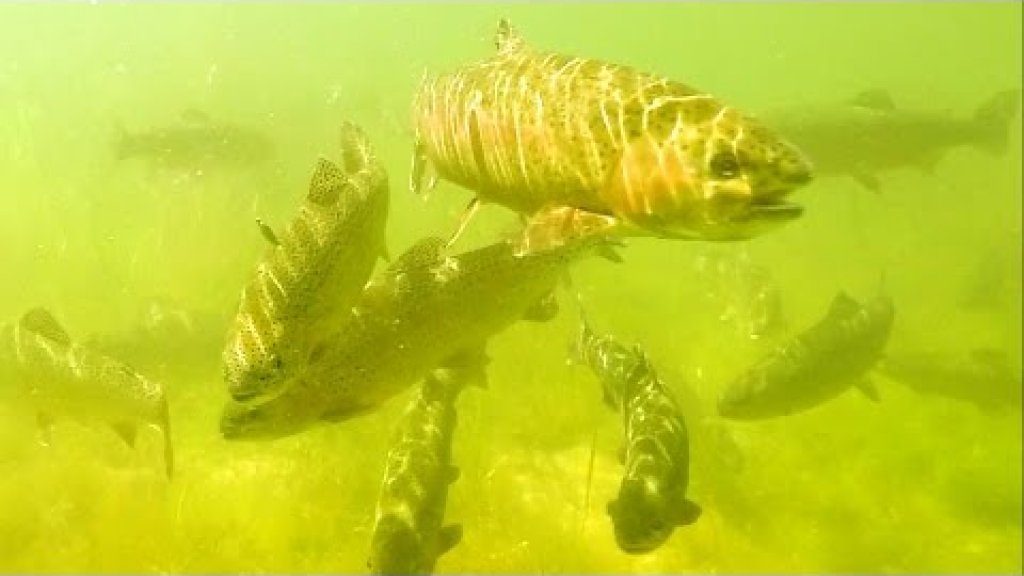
(311, 272)
(62, 378)
(427, 310)
(528, 129)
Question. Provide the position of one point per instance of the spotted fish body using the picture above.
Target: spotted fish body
(408, 535)
(817, 365)
(425, 311)
(63, 378)
(313, 272)
(652, 496)
(529, 129)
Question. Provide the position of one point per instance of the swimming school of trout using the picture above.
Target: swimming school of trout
(589, 154)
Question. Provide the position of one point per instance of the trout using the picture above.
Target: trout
(426, 311)
(312, 273)
(63, 378)
(528, 129)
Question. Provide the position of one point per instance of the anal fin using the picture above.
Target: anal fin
(127, 431)
(867, 387)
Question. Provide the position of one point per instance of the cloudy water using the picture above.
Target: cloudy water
(141, 143)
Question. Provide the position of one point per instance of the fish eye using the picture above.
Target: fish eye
(724, 164)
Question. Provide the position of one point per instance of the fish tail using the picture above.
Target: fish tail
(993, 118)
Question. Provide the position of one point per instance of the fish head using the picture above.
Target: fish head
(716, 175)
(265, 420)
(645, 514)
(397, 548)
(743, 399)
(255, 375)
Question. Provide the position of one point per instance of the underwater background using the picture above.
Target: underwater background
(112, 245)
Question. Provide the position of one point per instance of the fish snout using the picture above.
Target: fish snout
(794, 168)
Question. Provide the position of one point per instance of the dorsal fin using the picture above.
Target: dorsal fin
(876, 99)
(507, 39)
(355, 151)
(417, 259)
(267, 232)
(40, 321)
(843, 305)
(326, 183)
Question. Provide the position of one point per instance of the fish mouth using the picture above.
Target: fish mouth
(773, 206)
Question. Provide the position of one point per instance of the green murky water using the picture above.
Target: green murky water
(916, 482)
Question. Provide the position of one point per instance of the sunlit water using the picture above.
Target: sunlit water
(912, 483)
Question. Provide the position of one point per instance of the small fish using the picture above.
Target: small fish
(408, 536)
(165, 337)
(197, 142)
(984, 377)
(869, 134)
(66, 379)
(529, 129)
(312, 274)
(815, 366)
(652, 496)
(426, 311)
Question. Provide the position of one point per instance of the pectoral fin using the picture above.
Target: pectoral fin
(874, 99)
(868, 180)
(267, 232)
(127, 431)
(421, 168)
(448, 537)
(453, 474)
(471, 364)
(868, 388)
(686, 512)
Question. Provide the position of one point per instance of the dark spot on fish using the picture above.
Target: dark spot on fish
(633, 118)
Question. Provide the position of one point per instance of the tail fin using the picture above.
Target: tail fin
(993, 119)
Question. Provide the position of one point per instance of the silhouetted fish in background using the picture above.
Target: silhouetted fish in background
(63, 378)
(815, 366)
(528, 129)
(983, 377)
(313, 272)
(870, 134)
(197, 143)
(425, 311)
(652, 496)
(408, 535)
